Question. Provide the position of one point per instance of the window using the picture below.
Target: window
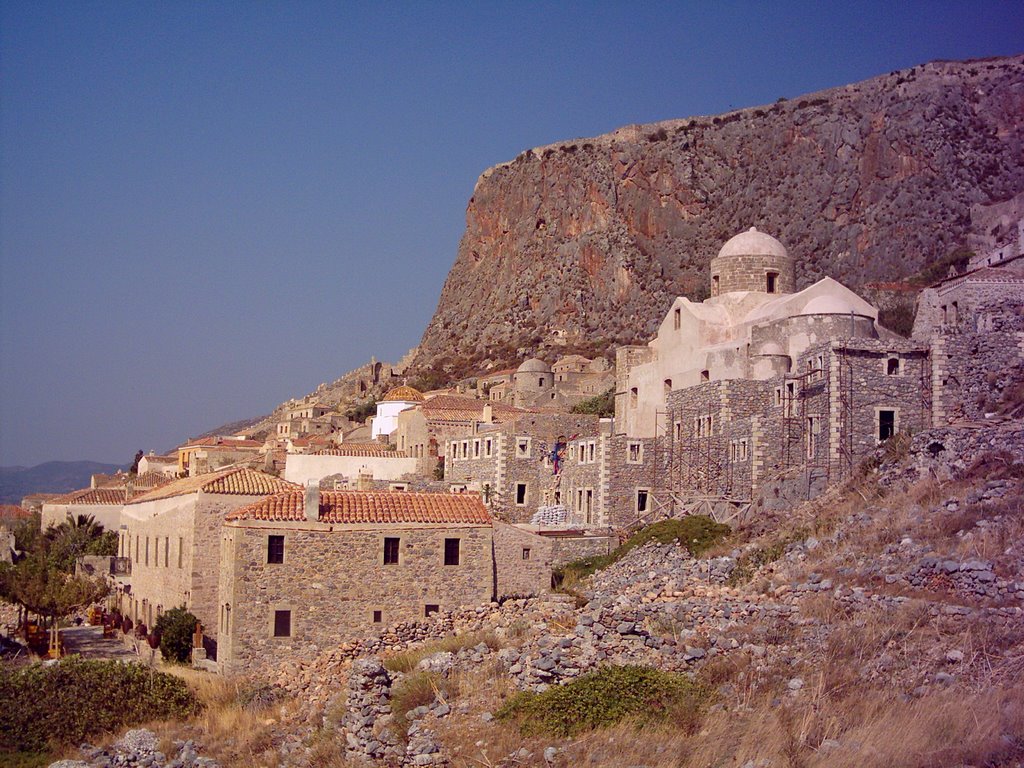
(705, 375)
(641, 499)
(589, 505)
(778, 395)
(677, 318)
(181, 550)
(476, 449)
(147, 550)
(771, 279)
(743, 450)
(522, 447)
(813, 430)
(465, 449)
(429, 609)
(378, 617)
(275, 549)
(488, 447)
(167, 551)
(677, 428)
(398, 487)
(954, 313)
(668, 385)
(892, 366)
(526, 553)
(886, 424)
(282, 623)
(451, 551)
(714, 285)
(634, 397)
(540, 382)
(520, 494)
(634, 452)
(591, 452)
(391, 551)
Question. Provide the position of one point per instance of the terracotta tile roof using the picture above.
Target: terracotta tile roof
(362, 449)
(456, 408)
(237, 481)
(141, 482)
(215, 441)
(13, 512)
(371, 507)
(110, 496)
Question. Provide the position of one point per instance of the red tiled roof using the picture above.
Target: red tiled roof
(371, 507)
(145, 481)
(217, 441)
(456, 408)
(362, 449)
(237, 481)
(13, 512)
(111, 496)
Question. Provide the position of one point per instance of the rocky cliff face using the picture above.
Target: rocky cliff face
(583, 244)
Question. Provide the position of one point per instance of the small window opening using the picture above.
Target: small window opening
(520, 494)
(668, 385)
(275, 549)
(772, 279)
(526, 553)
(886, 424)
(705, 375)
(391, 551)
(641, 501)
(892, 366)
(378, 617)
(282, 623)
(677, 318)
(430, 609)
(714, 285)
(634, 396)
(451, 551)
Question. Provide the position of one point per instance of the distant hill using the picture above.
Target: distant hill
(50, 477)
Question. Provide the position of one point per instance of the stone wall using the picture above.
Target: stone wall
(749, 273)
(333, 580)
(992, 332)
(569, 548)
(522, 561)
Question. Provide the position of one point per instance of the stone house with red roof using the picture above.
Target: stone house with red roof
(103, 500)
(351, 462)
(302, 571)
(171, 535)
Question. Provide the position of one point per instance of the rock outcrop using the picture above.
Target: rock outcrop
(584, 243)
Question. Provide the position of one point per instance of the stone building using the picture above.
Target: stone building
(762, 385)
(166, 465)
(102, 504)
(213, 452)
(573, 378)
(977, 315)
(171, 536)
(301, 571)
(423, 429)
(349, 463)
(513, 464)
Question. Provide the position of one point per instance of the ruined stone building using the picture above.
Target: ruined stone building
(535, 384)
(213, 452)
(301, 571)
(172, 537)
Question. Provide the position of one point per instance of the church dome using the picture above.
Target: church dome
(828, 305)
(534, 365)
(753, 243)
(403, 394)
(752, 261)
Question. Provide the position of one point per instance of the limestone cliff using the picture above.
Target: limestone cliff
(592, 238)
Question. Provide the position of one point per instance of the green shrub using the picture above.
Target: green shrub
(599, 405)
(697, 533)
(68, 702)
(175, 628)
(603, 698)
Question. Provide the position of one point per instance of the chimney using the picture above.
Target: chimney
(488, 417)
(313, 502)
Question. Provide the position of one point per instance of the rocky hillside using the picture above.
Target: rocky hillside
(591, 238)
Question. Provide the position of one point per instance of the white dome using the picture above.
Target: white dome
(753, 243)
(829, 305)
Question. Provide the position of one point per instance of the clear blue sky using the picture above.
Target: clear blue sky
(207, 208)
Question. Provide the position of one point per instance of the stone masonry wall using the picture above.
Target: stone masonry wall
(522, 561)
(333, 579)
